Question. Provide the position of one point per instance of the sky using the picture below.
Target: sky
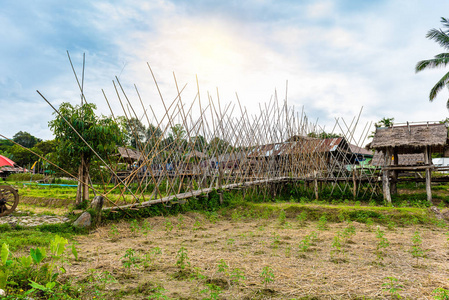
(338, 56)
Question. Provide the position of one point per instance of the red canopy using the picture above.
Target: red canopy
(4, 161)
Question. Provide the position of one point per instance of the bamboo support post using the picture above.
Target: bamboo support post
(428, 161)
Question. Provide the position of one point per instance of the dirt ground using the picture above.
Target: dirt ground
(192, 256)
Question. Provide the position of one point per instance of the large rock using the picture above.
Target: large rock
(84, 221)
(93, 217)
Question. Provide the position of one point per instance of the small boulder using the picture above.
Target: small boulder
(84, 221)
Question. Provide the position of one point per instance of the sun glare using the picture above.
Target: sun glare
(215, 55)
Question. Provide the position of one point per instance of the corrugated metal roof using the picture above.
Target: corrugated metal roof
(300, 146)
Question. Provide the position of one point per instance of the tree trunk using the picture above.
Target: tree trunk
(79, 188)
(86, 181)
(386, 176)
(82, 192)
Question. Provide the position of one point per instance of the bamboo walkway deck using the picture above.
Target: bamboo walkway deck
(199, 192)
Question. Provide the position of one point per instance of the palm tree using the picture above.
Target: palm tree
(440, 60)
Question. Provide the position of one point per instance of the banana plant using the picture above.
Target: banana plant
(4, 271)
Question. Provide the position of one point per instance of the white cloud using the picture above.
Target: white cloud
(320, 9)
(335, 59)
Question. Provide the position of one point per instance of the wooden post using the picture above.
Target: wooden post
(394, 189)
(354, 183)
(385, 176)
(220, 179)
(428, 163)
(315, 186)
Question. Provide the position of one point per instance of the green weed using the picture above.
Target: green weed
(322, 223)
(382, 243)
(282, 217)
(392, 287)
(130, 259)
(223, 267)
(416, 249)
(168, 225)
(212, 292)
(267, 275)
(183, 259)
(302, 219)
(441, 294)
(237, 276)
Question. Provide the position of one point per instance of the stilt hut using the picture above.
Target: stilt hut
(132, 158)
(409, 139)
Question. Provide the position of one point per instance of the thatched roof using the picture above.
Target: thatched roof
(410, 137)
(129, 154)
(412, 159)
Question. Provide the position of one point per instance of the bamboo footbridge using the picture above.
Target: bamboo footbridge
(182, 149)
(193, 148)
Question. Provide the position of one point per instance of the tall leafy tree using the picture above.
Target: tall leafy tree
(135, 133)
(323, 135)
(440, 60)
(153, 135)
(22, 156)
(101, 133)
(25, 139)
(178, 137)
(46, 147)
(5, 148)
(218, 146)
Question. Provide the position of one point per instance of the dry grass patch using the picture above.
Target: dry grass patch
(259, 259)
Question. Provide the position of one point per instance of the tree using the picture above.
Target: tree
(5, 145)
(199, 143)
(21, 156)
(101, 133)
(218, 146)
(153, 136)
(177, 135)
(45, 147)
(177, 132)
(384, 122)
(135, 133)
(440, 60)
(324, 135)
(25, 139)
